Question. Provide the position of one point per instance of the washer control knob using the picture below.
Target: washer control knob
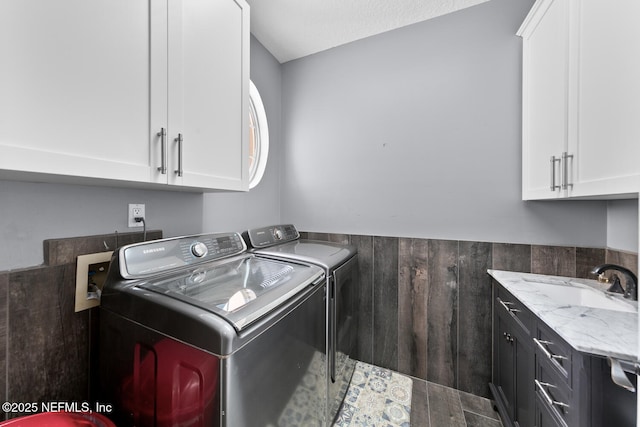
(199, 249)
(277, 234)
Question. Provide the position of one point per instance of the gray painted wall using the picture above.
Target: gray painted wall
(261, 205)
(32, 212)
(622, 225)
(417, 133)
(379, 140)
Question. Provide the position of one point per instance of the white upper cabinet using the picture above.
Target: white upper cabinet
(580, 94)
(87, 88)
(607, 88)
(209, 93)
(74, 88)
(544, 94)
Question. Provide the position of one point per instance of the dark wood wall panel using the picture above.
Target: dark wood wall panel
(442, 309)
(586, 259)
(474, 344)
(625, 259)
(4, 307)
(48, 341)
(364, 244)
(553, 260)
(511, 257)
(423, 307)
(413, 288)
(44, 343)
(385, 302)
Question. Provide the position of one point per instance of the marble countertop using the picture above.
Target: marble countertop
(589, 330)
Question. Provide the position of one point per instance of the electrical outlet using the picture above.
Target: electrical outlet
(136, 211)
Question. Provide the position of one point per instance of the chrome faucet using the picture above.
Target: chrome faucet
(631, 286)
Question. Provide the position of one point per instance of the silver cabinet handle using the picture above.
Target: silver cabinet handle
(553, 161)
(163, 147)
(506, 305)
(541, 386)
(541, 344)
(565, 170)
(179, 141)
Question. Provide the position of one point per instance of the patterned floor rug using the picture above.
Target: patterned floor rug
(376, 397)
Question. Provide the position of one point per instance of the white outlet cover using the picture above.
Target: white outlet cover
(135, 209)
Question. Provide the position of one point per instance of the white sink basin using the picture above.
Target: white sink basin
(576, 294)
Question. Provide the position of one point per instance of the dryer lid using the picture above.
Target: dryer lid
(327, 255)
(241, 290)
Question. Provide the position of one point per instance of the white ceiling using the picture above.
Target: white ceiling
(291, 29)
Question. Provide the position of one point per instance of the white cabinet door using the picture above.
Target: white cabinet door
(544, 127)
(87, 88)
(74, 85)
(209, 93)
(581, 97)
(607, 144)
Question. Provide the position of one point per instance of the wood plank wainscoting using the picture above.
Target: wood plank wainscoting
(424, 305)
(424, 309)
(44, 344)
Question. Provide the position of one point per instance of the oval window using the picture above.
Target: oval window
(258, 137)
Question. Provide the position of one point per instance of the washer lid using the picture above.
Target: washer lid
(327, 255)
(241, 290)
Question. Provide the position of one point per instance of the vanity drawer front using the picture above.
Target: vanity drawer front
(545, 416)
(508, 303)
(553, 393)
(554, 352)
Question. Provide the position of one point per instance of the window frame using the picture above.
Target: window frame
(260, 132)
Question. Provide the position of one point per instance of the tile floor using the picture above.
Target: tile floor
(433, 405)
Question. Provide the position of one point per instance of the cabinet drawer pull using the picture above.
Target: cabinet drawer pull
(565, 170)
(163, 150)
(179, 141)
(553, 161)
(541, 386)
(541, 344)
(506, 305)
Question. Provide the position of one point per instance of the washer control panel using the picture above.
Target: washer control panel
(272, 235)
(199, 249)
(149, 258)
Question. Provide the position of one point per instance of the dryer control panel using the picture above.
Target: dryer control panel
(272, 235)
(149, 258)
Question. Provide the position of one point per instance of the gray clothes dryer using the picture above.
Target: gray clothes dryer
(340, 264)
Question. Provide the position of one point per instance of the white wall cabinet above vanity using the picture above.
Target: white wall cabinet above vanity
(88, 88)
(581, 95)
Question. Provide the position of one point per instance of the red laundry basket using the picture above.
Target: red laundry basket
(60, 419)
(172, 384)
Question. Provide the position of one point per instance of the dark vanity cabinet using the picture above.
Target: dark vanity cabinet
(513, 359)
(561, 381)
(540, 380)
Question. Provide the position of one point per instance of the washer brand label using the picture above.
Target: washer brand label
(153, 250)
